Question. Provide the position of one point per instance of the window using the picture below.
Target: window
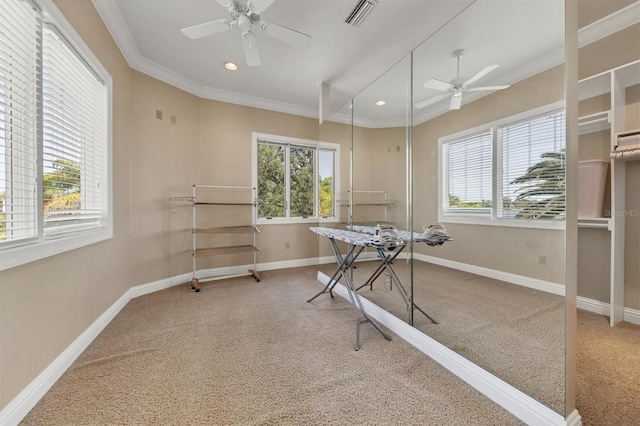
(295, 179)
(510, 172)
(54, 137)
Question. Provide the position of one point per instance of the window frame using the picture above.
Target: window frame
(18, 253)
(493, 219)
(305, 143)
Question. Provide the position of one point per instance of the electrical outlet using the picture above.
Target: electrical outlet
(159, 114)
(542, 260)
(286, 245)
(173, 209)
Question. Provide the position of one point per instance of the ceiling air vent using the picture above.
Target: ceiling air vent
(360, 12)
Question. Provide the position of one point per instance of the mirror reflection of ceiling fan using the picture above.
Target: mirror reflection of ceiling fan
(246, 15)
(457, 87)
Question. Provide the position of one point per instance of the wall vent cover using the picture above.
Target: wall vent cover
(360, 12)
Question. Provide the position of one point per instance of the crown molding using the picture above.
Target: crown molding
(256, 102)
(119, 30)
(110, 14)
(610, 24)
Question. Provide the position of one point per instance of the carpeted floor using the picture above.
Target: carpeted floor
(513, 332)
(247, 353)
(608, 360)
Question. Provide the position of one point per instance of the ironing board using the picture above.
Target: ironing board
(387, 248)
(357, 242)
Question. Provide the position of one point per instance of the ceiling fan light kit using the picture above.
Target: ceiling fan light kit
(246, 15)
(457, 86)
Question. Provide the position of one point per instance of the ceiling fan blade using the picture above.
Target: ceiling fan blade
(258, 6)
(481, 74)
(432, 100)
(478, 89)
(456, 101)
(251, 51)
(287, 35)
(434, 83)
(208, 28)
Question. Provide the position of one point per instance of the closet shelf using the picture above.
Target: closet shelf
(612, 85)
(595, 222)
(594, 123)
(210, 251)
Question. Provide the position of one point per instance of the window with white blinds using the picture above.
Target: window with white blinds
(533, 168)
(512, 170)
(74, 110)
(54, 136)
(468, 176)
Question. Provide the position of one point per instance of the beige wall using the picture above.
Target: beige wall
(512, 250)
(389, 151)
(593, 10)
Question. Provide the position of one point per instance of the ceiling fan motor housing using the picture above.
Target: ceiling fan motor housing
(244, 16)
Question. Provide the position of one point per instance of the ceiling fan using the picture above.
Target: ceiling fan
(246, 15)
(457, 86)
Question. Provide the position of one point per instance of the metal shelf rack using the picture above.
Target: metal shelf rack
(198, 201)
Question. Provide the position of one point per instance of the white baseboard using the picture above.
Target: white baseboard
(224, 272)
(521, 280)
(574, 419)
(602, 308)
(20, 406)
(632, 316)
(511, 399)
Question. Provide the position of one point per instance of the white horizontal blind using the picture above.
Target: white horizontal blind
(467, 175)
(533, 168)
(20, 38)
(74, 135)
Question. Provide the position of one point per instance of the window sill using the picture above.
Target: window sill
(533, 224)
(293, 221)
(21, 255)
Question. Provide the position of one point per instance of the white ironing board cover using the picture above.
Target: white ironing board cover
(419, 237)
(351, 237)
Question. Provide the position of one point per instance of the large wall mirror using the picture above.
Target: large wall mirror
(489, 164)
(471, 136)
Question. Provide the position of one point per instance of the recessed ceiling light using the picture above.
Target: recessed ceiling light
(380, 103)
(230, 66)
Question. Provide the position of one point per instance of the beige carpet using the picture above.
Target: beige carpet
(608, 360)
(247, 353)
(515, 333)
